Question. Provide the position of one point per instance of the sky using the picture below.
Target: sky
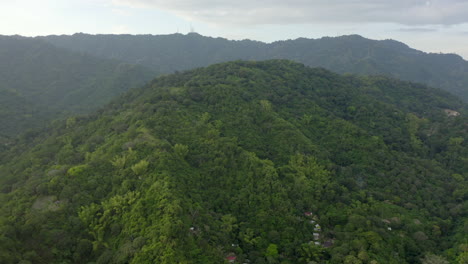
(427, 25)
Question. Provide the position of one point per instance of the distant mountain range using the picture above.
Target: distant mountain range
(346, 54)
(58, 76)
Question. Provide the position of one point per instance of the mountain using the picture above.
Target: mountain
(260, 162)
(346, 54)
(45, 78)
(40, 82)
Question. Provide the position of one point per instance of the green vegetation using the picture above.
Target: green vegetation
(249, 160)
(40, 82)
(346, 54)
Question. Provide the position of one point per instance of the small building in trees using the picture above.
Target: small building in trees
(231, 258)
(450, 112)
(308, 214)
(316, 236)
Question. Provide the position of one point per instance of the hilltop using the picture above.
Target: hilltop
(271, 162)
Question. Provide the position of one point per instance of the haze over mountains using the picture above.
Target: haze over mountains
(346, 54)
(40, 82)
(56, 75)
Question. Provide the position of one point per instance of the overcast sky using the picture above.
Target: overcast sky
(428, 25)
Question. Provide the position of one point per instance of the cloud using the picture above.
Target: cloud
(121, 12)
(120, 29)
(248, 12)
(417, 30)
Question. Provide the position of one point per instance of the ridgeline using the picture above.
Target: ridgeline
(260, 162)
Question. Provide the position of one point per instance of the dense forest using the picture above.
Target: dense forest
(245, 162)
(345, 54)
(47, 78)
(40, 82)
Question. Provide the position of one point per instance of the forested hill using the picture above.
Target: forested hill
(260, 162)
(346, 54)
(40, 82)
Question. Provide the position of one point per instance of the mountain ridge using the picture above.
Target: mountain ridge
(43, 69)
(237, 159)
(345, 54)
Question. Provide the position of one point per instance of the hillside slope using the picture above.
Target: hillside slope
(346, 54)
(40, 82)
(243, 160)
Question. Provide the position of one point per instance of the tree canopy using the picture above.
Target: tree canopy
(260, 162)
